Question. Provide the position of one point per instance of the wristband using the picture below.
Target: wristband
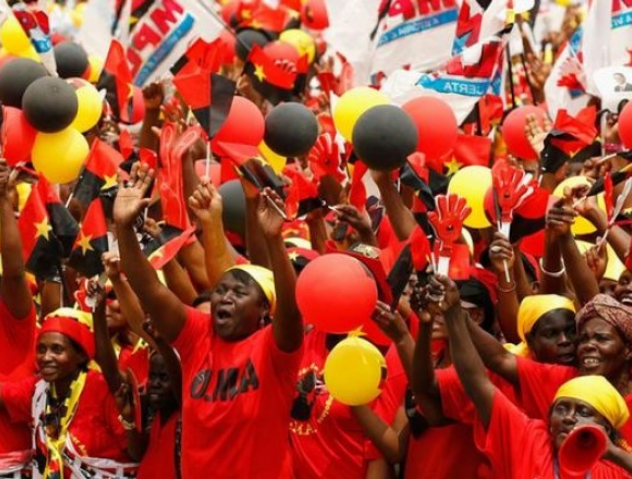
(552, 274)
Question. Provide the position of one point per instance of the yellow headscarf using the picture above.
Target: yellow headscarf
(533, 308)
(264, 278)
(600, 394)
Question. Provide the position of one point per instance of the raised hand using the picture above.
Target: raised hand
(206, 204)
(270, 213)
(390, 322)
(560, 218)
(442, 294)
(154, 95)
(501, 253)
(447, 219)
(597, 259)
(130, 199)
(358, 220)
(536, 132)
(112, 264)
(5, 175)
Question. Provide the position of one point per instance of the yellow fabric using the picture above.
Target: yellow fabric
(531, 309)
(264, 278)
(600, 394)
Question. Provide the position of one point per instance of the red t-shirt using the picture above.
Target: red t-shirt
(17, 343)
(159, 459)
(327, 440)
(236, 398)
(521, 448)
(95, 430)
(539, 383)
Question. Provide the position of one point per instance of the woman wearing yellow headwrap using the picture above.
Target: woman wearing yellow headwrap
(519, 447)
(239, 372)
(546, 325)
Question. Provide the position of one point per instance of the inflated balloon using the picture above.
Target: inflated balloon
(71, 59)
(60, 156)
(17, 136)
(354, 371)
(280, 50)
(50, 104)
(336, 293)
(472, 183)
(314, 15)
(303, 42)
(244, 125)
(277, 162)
(436, 125)
(352, 105)
(234, 207)
(228, 46)
(384, 136)
(625, 125)
(291, 129)
(513, 130)
(581, 226)
(12, 36)
(15, 77)
(246, 39)
(96, 65)
(90, 105)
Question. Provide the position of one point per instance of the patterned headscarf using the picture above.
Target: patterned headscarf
(611, 311)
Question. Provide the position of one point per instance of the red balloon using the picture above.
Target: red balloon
(436, 125)
(514, 134)
(336, 293)
(17, 136)
(229, 9)
(138, 106)
(625, 125)
(244, 126)
(228, 47)
(314, 15)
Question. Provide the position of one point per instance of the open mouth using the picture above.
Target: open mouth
(590, 362)
(223, 315)
(626, 299)
(566, 358)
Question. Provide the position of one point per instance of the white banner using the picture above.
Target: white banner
(415, 35)
(162, 33)
(476, 22)
(461, 83)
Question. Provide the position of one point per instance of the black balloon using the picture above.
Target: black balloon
(384, 136)
(50, 104)
(233, 207)
(291, 130)
(15, 77)
(71, 58)
(246, 39)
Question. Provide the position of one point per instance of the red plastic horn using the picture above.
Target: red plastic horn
(581, 450)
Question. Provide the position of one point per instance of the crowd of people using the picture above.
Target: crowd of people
(514, 362)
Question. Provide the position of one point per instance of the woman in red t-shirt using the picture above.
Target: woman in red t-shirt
(76, 423)
(239, 365)
(517, 446)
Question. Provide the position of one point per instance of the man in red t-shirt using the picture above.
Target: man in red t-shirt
(238, 373)
(17, 323)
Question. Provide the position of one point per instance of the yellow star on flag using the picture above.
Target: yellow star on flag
(43, 229)
(84, 242)
(259, 73)
(110, 181)
(453, 166)
(293, 256)
(256, 24)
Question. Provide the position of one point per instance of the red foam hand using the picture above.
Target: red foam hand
(510, 189)
(324, 158)
(447, 219)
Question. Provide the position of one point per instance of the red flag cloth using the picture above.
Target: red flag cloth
(100, 172)
(581, 127)
(116, 78)
(357, 192)
(159, 258)
(460, 261)
(419, 248)
(301, 189)
(91, 242)
(469, 150)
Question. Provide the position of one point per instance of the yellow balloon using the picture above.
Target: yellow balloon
(29, 53)
(96, 65)
(614, 266)
(24, 190)
(472, 183)
(352, 105)
(581, 226)
(354, 371)
(59, 156)
(90, 108)
(303, 42)
(12, 36)
(277, 162)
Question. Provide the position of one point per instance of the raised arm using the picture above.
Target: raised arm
(206, 204)
(104, 351)
(558, 222)
(166, 310)
(401, 217)
(389, 440)
(466, 360)
(501, 255)
(287, 323)
(257, 251)
(14, 289)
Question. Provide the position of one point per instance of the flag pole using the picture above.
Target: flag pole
(207, 163)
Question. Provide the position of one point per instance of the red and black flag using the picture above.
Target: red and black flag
(47, 230)
(302, 194)
(161, 250)
(99, 174)
(469, 150)
(116, 79)
(273, 20)
(272, 79)
(91, 242)
(208, 94)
